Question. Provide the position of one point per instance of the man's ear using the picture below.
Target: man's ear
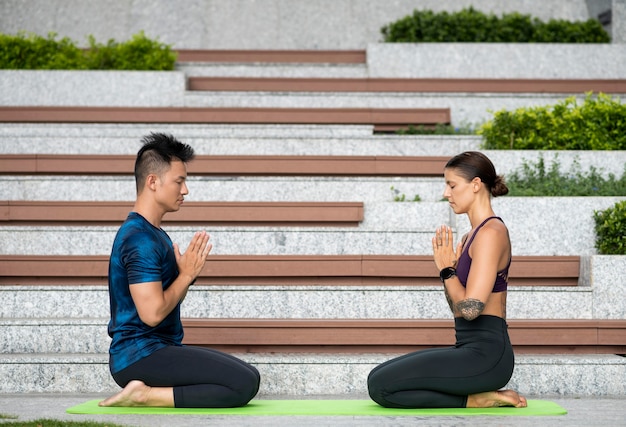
(151, 181)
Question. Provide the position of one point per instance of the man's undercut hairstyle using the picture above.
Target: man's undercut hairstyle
(156, 155)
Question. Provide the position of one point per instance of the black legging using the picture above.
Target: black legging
(201, 377)
(481, 360)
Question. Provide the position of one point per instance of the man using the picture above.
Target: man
(148, 280)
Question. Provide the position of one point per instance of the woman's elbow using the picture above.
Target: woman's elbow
(470, 308)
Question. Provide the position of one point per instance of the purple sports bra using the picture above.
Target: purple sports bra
(465, 262)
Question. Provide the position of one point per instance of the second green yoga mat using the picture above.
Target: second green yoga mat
(260, 407)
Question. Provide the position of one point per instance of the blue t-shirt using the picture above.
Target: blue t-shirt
(141, 253)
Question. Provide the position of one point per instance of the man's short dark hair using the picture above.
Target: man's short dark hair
(156, 154)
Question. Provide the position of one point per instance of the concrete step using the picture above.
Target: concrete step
(113, 131)
(318, 374)
(54, 336)
(395, 227)
(226, 188)
(49, 305)
(292, 144)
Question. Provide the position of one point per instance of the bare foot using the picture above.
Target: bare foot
(491, 399)
(134, 394)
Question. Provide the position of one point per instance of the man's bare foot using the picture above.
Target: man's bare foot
(491, 399)
(135, 393)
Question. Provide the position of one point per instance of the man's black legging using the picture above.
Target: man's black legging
(481, 360)
(201, 377)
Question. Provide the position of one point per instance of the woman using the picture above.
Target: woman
(474, 278)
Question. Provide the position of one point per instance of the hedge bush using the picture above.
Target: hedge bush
(470, 25)
(28, 51)
(598, 124)
(610, 225)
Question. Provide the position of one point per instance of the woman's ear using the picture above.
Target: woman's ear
(476, 183)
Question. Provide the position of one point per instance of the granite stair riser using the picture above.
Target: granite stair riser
(496, 60)
(237, 189)
(372, 145)
(326, 374)
(59, 336)
(396, 228)
(97, 131)
(260, 70)
(24, 307)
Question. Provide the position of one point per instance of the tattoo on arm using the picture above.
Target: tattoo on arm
(450, 303)
(470, 308)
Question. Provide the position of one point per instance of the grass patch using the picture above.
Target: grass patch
(7, 417)
(44, 422)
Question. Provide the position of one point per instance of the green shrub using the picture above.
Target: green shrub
(598, 124)
(535, 179)
(32, 52)
(139, 53)
(27, 51)
(470, 25)
(611, 230)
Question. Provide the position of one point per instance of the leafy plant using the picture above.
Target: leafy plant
(536, 179)
(32, 52)
(470, 25)
(27, 51)
(610, 225)
(439, 129)
(139, 53)
(401, 197)
(598, 124)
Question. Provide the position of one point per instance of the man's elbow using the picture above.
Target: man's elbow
(151, 320)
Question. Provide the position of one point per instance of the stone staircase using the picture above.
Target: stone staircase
(316, 330)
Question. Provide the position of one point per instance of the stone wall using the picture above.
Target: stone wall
(256, 24)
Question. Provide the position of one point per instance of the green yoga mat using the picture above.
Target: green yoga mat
(260, 407)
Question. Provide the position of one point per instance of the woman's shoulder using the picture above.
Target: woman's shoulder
(492, 231)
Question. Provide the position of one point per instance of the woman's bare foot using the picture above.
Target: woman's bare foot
(491, 399)
(135, 393)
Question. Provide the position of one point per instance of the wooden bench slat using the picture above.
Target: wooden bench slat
(288, 270)
(391, 117)
(258, 213)
(423, 166)
(564, 335)
(272, 56)
(283, 84)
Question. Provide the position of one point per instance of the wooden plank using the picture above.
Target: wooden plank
(532, 267)
(423, 166)
(398, 117)
(284, 270)
(283, 84)
(215, 213)
(272, 56)
(548, 333)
